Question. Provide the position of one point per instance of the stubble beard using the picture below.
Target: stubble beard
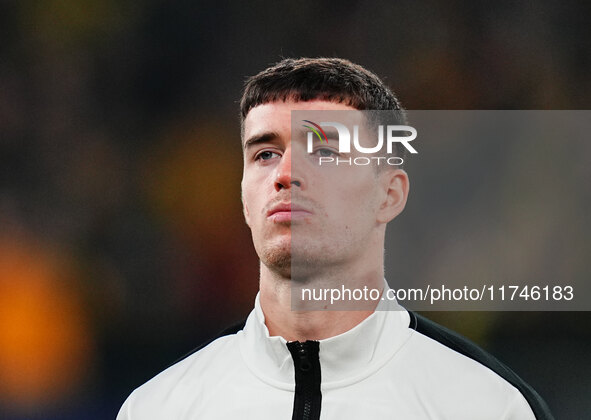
(278, 260)
(294, 265)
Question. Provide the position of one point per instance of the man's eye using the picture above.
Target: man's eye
(325, 152)
(266, 155)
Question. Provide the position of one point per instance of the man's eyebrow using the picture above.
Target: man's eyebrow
(260, 138)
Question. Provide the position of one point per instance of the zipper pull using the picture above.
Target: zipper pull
(305, 364)
(307, 397)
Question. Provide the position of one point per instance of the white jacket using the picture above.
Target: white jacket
(384, 368)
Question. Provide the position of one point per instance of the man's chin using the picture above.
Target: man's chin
(278, 261)
(297, 270)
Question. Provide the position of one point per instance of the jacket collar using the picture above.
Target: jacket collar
(344, 359)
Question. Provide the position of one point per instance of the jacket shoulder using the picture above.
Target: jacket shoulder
(467, 348)
(176, 386)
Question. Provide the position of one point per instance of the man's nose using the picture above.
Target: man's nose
(285, 177)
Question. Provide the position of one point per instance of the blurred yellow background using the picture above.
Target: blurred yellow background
(122, 242)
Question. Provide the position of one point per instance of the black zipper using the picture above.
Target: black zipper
(308, 398)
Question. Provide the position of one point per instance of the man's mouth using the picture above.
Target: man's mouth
(286, 212)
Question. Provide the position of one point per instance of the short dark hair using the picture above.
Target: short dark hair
(306, 79)
(330, 79)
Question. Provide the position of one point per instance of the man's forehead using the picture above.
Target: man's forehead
(277, 115)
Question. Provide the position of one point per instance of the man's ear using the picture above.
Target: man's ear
(395, 186)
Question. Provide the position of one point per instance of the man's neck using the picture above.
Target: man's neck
(301, 325)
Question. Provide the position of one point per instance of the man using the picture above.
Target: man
(313, 228)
